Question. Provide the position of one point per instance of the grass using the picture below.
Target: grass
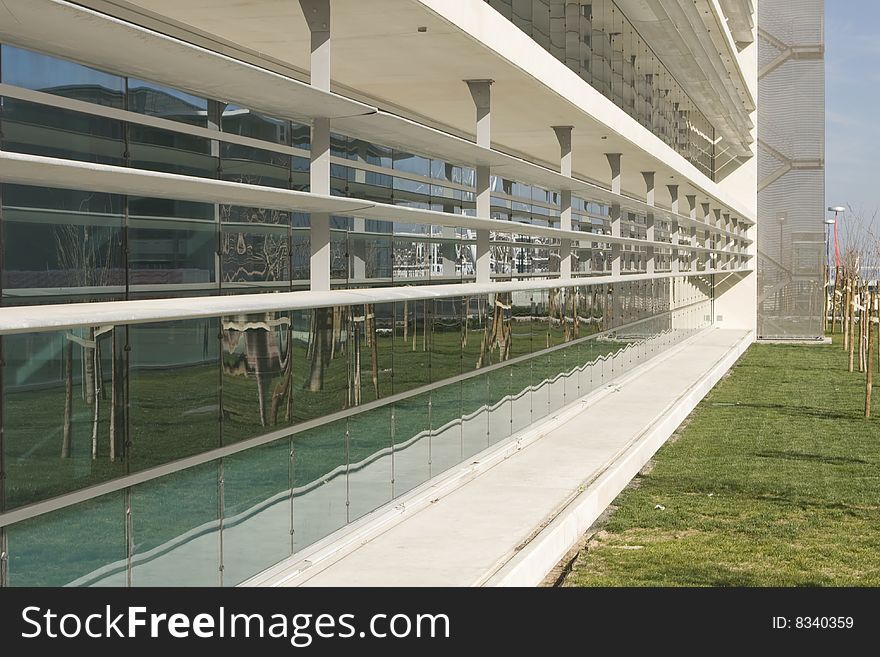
(772, 481)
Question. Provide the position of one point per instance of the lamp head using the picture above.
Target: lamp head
(837, 209)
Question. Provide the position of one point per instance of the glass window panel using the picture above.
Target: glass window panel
(171, 152)
(445, 338)
(161, 208)
(499, 386)
(61, 240)
(411, 354)
(52, 132)
(248, 123)
(481, 343)
(32, 70)
(258, 389)
(173, 390)
(80, 545)
(257, 510)
(319, 483)
(253, 166)
(370, 459)
(175, 524)
(475, 415)
(164, 102)
(521, 324)
(171, 252)
(520, 395)
(371, 258)
(251, 253)
(372, 337)
(446, 445)
(320, 362)
(412, 442)
(64, 412)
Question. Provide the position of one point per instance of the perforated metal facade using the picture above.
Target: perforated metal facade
(791, 168)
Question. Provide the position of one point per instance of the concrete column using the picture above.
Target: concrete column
(692, 213)
(317, 15)
(650, 265)
(480, 92)
(736, 246)
(215, 115)
(358, 251)
(675, 229)
(614, 164)
(729, 244)
(563, 135)
(707, 219)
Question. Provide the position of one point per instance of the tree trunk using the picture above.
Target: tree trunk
(374, 347)
(320, 349)
(113, 400)
(68, 399)
(869, 370)
(846, 313)
(852, 329)
(96, 400)
(89, 386)
(425, 327)
(834, 300)
(861, 316)
(415, 328)
(405, 320)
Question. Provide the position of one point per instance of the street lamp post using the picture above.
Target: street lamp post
(833, 222)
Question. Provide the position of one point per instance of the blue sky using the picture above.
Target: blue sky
(852, 89)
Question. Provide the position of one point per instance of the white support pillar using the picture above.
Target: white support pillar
(563, 135)
(650, 265)
(692, 213)
(709, 241)
(722, 222)
(480, 92)
(614, 164)
(736, 245)
(317, 15)
(675, 228)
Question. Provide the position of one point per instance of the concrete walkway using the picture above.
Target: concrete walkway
(509, 521)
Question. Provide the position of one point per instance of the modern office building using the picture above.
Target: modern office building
(271, 266)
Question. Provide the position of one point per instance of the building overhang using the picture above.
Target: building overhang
(740, 19)
(692, 40)
(381, 60)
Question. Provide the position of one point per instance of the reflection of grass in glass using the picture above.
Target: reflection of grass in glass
(174, 413)
(56, 548)
(175, 504)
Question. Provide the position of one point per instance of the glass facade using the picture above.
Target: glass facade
(372, 401)
(292, 423)
(599, 43)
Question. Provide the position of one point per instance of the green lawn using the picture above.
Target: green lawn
(772, 481)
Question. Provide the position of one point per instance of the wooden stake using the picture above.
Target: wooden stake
(869, 370)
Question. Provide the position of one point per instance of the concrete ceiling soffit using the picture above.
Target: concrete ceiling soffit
(739, 19)
(662, 25)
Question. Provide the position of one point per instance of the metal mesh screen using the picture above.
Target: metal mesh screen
(791, 168)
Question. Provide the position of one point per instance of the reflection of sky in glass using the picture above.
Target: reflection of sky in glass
(135, 85)
(24, 68)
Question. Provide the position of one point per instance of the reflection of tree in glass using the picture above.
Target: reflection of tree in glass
(85, 253)
(254, 257)
(497, 333)
(266, 352)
